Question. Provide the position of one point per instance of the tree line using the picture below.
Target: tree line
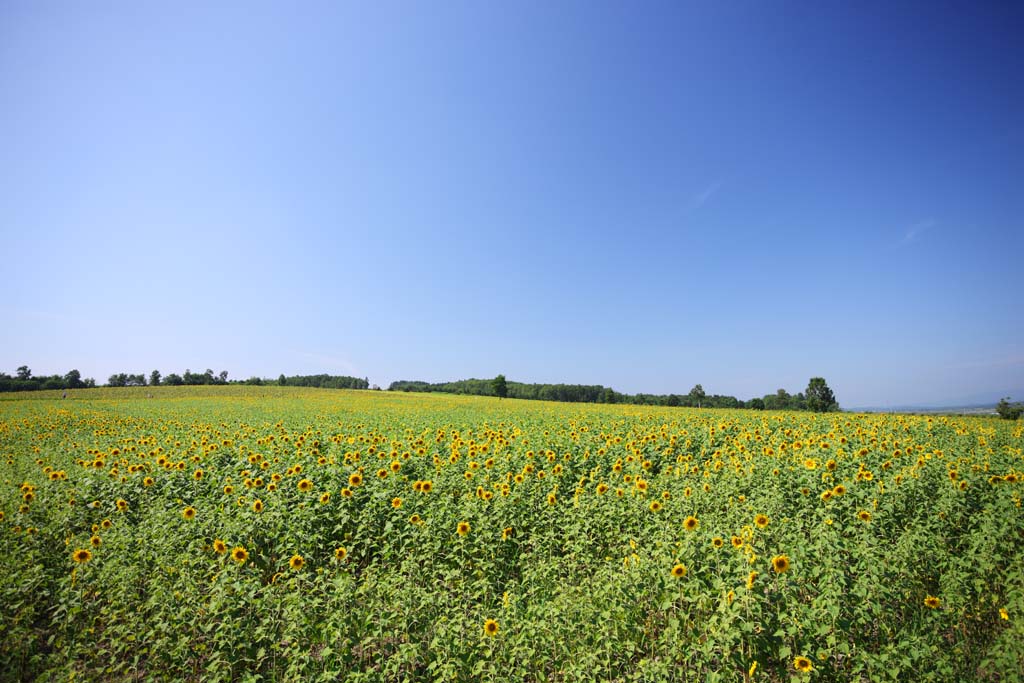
(23, 380)
(818, 397)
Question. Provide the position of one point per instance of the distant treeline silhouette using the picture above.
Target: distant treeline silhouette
(596, 393)
(25, 381)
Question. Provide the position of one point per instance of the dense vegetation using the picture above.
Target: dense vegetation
(265, 533)
(24, 381)
(823, 400)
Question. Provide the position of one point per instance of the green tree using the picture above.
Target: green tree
(500, 386)
(697, 395)
(154, 378)
(73, 380)
(1009, 411)
(819, 397)
(24, 373)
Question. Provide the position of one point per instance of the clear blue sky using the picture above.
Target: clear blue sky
(640, 195)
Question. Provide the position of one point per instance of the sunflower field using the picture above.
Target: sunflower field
(255, 533)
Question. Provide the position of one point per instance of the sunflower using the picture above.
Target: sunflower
(552, 499)
(325, 497)
(415, 519)
(346, 493)
(864, 516)
(228, 490)
(932, 602)
(257, 505)
(761, 521)
(106, 524)
(122, 505)
(219, 546)
(602, 488)
(148, 481)
(197, 475)
(81, 555)
(491, 628)
(239, 555)
(691, 523)
(507, 533)
(305, 485)
(427, 486)
(463, 528)
(751, 577)
(95, 541)
(737, 542)
(189, 512)
(802, 664)
(838, 490)
(780, 563)
(396, 503)
(679, 571)
(355, 479)
(296, 562)
(655, 506)
(717, 542)
(340, 553)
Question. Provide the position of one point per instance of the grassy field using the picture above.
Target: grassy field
(282, 534)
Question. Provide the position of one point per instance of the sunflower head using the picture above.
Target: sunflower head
(491, 628)
(81, 555)
(780, 563)
(691, 523)
(679, 571)
(761, 521)
(219, 546)
(463, 528)
(189, 512)
(932, 602)
(296, 562)
(355, 479)
(802, 664)
(239, 554)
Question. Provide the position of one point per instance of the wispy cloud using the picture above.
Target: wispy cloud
(917, 229)
(698, 200)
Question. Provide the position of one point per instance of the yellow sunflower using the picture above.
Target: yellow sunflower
(491, 628)
(802, 664)
(780, 563)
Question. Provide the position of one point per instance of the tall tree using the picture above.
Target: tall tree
(24, 373)
(819, 397)
(500, 386)
(73, 380)
(697, 395)
(154, 378)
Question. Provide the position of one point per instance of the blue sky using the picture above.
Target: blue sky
(640, 195)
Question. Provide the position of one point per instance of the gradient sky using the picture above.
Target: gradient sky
(641, 195)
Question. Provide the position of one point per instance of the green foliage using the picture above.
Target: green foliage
(820, 398)
(499, 386)
(1007, 410)
(907, 571)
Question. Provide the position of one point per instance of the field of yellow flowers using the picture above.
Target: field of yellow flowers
(253, 533)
